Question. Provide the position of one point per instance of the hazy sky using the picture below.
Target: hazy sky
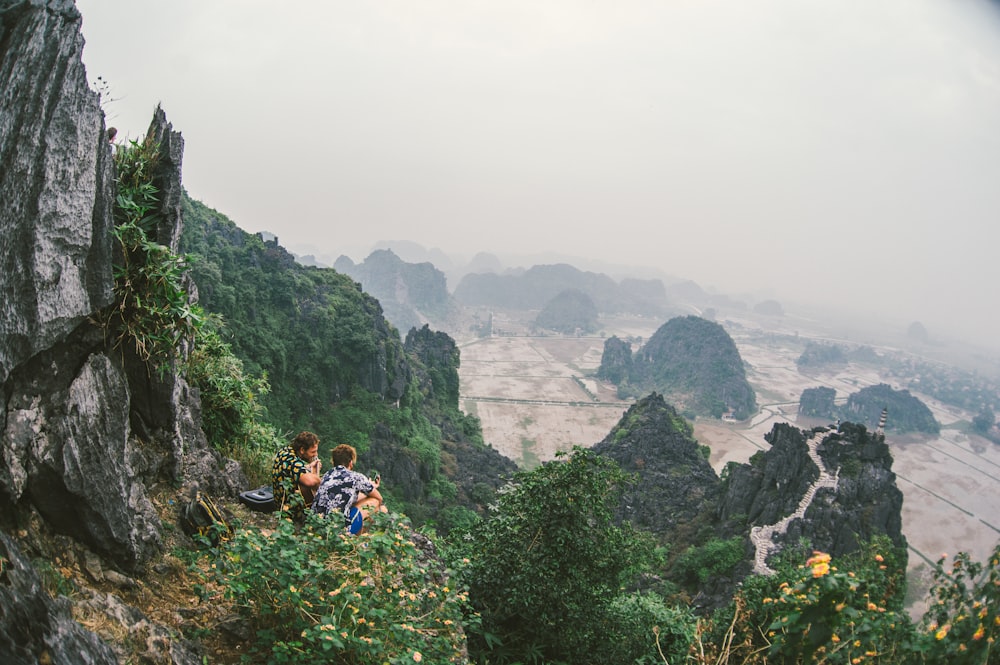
(848, 148)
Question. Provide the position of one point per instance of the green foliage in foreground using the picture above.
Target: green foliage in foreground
(547, 575)
(849, 612)
(317, 593)
(547, 567)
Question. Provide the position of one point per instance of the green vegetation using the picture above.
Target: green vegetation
(546, 568)
(818, 402)
(713, 559)
(232, 416)
(692, 361)
(336, 367)
(817, 355)
(906, 412)
(548, 575)
(152, 313)
(342, 599)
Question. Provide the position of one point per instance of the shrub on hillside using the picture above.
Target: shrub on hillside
(547, 564)
(316, 590)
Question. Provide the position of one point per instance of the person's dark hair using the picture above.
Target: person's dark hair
(343, 455)
(112, 133)
(303, 441)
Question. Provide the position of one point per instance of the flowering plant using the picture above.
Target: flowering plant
(963, 622)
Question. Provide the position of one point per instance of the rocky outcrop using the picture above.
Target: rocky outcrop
(437, 360)
(833, 516)
(817, 402)
(55, 182)
(540, 283)
(616, 361)
(570, 311)
(677, 487)
(764, 537)
(34, 628)
(695, 364)
(84, 429)
(906, 412)
(410, 293)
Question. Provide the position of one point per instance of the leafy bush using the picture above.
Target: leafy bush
(713, 559)
(316, 590)
(232, 416)
(644, 629)
(547, 563)
(963, 622)
(820, 611)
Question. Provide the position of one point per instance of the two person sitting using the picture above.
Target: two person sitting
(297, 485)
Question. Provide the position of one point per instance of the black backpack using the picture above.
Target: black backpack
(201, 517)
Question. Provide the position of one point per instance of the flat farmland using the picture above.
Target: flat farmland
(536, 396)
(533, 395)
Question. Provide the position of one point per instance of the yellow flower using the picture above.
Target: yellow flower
(961, 647)
(821, 569)
(417, 657)
(872, 606)
(293, 589)
(878, 557)
(818, 558)
(978, 635)
(834, 638)
(446, 589)
(941, 634)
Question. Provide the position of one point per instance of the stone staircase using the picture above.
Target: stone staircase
(762, 537)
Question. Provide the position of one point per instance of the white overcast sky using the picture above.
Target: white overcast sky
(838, 150)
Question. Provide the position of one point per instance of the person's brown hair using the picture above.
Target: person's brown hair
(343, 455)
(303, 441)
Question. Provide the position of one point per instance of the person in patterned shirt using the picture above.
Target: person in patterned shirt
(343, 488)
(295, 474)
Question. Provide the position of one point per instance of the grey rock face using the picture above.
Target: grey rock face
(84, 429)
(865, 503)
(677, 485)
(35, 628)
(55, 182)
(70, 454)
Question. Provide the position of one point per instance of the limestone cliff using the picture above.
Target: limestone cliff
(677, 487)
(85, 430)
(692, 361)
(410, 293)
(861, 502)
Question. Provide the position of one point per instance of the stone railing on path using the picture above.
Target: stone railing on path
(762, 537)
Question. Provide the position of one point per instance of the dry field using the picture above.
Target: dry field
(535, 397)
